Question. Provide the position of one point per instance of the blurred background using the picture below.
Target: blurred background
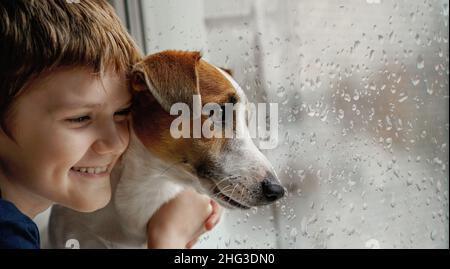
(363, 94)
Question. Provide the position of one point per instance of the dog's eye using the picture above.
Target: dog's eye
(222, 108)
(233, 99)
(218, 117)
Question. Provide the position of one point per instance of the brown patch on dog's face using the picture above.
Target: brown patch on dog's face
(214, 87)
(152, 122)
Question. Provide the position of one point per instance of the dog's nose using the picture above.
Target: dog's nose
(272, 191)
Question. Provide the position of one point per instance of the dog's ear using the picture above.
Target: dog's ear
(170, 76)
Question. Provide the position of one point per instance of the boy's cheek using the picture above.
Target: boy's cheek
(125, 133)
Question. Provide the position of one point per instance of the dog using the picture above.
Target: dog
(156, 166)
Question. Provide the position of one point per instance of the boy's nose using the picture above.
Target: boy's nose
(112, 139)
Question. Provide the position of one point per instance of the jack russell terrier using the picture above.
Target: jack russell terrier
(156, 166)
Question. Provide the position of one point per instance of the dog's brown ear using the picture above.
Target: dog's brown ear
(171, 77)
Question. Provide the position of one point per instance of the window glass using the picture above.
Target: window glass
(362, 89)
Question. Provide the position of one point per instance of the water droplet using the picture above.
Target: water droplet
(312, 219)
(338, 216)
(445, 9)
(347, 97)
(417, 38)
(440, 53)
(420, 62)
(312, 138)
(318, 82)
(329, 233)
(281, 92)
(324, 115)
(423, 134)
(294, 232)
(304, 226)
(372, 243)
(409, 181)
(254, 210)
(393, 202)
(341, 114)
(433, 235)
(388, 141)
(415, 80)
(438, 186)
(351, 231)
(391, 36)
(371, 55)
(401, 100)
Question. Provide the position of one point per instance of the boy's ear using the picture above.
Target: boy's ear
(170, 76)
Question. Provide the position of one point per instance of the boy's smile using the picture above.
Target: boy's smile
(71, 127)
(90, 170)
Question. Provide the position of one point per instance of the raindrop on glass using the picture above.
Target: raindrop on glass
(372, 243)
(341, 114)
(420, 62)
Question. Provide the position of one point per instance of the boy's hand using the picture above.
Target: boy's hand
(210, 222)
(181, 221)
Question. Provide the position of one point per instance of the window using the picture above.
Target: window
(363, 90)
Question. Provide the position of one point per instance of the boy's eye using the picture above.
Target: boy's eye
(123, 113)
(79, 119)
(119, 115)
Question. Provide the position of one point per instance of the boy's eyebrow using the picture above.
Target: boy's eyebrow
(75, 105)
(68, 106)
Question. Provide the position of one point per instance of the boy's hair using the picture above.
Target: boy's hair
(38, 36)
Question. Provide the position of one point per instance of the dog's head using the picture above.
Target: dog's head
(231, 170)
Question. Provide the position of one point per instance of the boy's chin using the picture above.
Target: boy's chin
(91, 204)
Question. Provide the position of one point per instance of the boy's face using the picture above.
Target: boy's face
(71, 127)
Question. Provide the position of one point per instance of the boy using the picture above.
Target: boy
(64, 105)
